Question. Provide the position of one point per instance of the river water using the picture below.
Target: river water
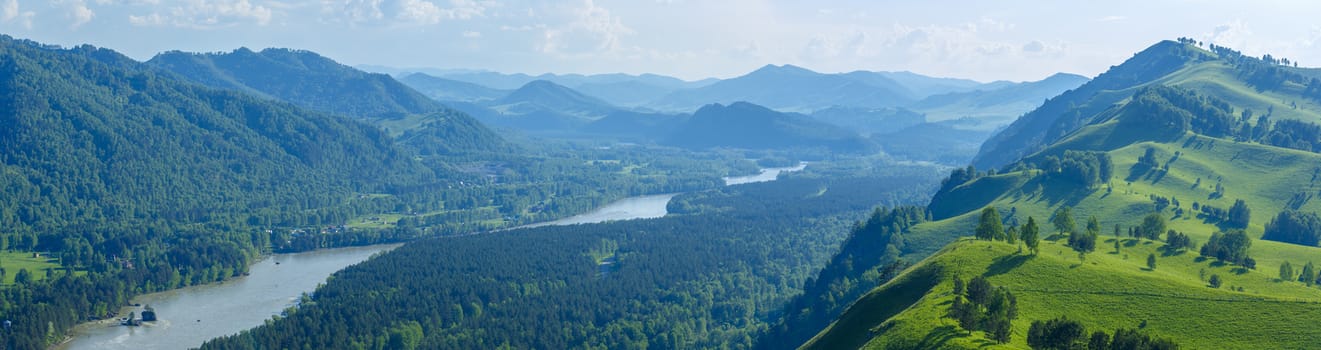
(640, 207)
(767, 174)
(193, 315)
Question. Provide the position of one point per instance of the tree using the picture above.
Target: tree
(1082, 242)
(1000, 330)
(1100, 341)
(1030, 237)
(1116, 245)
(23, 277)
(958, 285)
(1214, 281)
(1151, 261)
(979, 290)
(1294, 227)
(1059, 333)
(1229, 246)
(990, 227)
(1239, 214)
(1308, 274)
(1286, 271)
(969, 316)
(1152, 226)
(1063, 220)
(1011, 235)
(1093, 226)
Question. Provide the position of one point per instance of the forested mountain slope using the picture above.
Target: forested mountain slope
(1178, 211)
(315, 82)
(132, 176)
(302, 77)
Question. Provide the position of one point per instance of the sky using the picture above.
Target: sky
(1014, 40)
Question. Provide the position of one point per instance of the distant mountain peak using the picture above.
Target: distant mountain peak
(783, 69)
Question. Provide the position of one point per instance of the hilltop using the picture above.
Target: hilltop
(301, 77)
(312, 81)
(1179, 133)
(745, 125)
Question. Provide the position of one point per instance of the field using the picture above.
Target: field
(13, 262)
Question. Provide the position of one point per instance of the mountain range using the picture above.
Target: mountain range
(961, 112)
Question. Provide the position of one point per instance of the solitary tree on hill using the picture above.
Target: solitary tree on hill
(1063, 220)
(990, 227)
(1308, 275)
(1030, 235)
(1239, 214)
(1152, 226)
(1151, 261)
(1286, 271)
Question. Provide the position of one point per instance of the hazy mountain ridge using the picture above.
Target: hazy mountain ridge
(312, 81)
(302, 77)
(442, 89)
(856, 100)
(746, 125)
(794, 89)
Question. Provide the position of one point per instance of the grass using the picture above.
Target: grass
(1106, 292)
(12, 262)
(1110, 290)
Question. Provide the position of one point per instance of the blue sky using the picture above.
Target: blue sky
(982, 40)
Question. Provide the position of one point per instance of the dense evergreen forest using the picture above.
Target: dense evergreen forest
(713, 276)
(128, 180)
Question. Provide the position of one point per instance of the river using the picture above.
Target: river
(640, 207)
(190, 316)
(193, 315)
(767, 174)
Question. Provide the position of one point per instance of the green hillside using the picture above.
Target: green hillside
(1185, 145)
(1247, 83)
(1106, 292)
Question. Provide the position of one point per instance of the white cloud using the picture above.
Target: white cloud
(472, 34)
(826, 48)
(419, 11)
(1233, 34)
(79, 14)
(407, 12)
(591, 29)
(1111, 18)
(205, 14)
(10, 12)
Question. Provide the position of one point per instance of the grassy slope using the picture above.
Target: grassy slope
(1173, 298)
(1107, 292)
(12, 262)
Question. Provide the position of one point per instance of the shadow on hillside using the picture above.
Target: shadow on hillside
(1005, 264)
(937, 337)
(1167, 252)
(1055, 194)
